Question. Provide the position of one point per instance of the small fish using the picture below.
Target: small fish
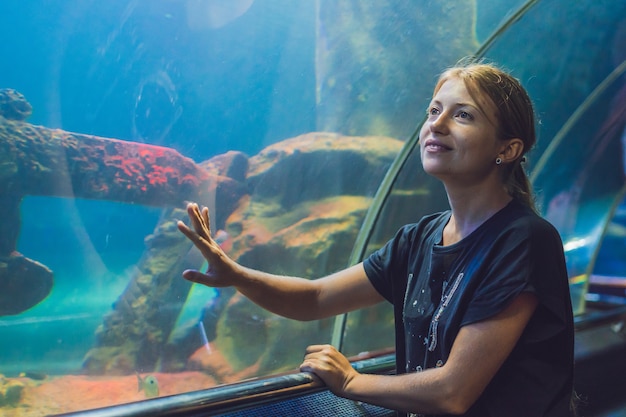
(149, 385)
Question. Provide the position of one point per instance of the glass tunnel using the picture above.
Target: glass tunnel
(296, 122)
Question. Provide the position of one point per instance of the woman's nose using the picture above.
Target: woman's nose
(438, 124)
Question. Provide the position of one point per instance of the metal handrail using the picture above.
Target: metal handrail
(234, 397)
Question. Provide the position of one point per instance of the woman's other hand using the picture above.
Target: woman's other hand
(330, 366)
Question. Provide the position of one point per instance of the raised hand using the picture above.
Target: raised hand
(221, 267)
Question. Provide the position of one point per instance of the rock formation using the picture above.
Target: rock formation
(303, 205)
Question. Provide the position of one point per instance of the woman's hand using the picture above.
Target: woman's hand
(330, 365)
(221, 268)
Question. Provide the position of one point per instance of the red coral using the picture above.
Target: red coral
(114, 160)
(99, 188)
(133, 167)
(148, 156)
(191, 179)
(157, 176)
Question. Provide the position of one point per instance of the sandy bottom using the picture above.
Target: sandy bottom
(71, 393)
(76, 393)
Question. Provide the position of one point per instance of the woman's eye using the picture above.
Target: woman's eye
(433, 111)
(465, 115)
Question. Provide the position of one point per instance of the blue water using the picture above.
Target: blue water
(81, 63)
(136, 70)
(92, 247)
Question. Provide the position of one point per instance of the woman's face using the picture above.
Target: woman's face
(458, 141)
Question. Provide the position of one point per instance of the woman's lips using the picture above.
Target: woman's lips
(435, 145)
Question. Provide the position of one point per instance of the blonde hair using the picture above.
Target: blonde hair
(515, 116)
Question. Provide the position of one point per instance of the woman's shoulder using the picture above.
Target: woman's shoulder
(427, 225)
(522, 220)
(524, 216)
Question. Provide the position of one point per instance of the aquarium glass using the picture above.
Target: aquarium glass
(282, 117)
(576, 80)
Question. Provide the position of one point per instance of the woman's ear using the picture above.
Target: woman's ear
(513, 149)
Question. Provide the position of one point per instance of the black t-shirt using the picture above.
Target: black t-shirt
(438, 289)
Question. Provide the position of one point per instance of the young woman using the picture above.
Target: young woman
(483, 314)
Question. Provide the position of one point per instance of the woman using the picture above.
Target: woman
(483, 316)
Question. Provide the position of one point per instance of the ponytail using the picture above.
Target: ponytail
(518, 185)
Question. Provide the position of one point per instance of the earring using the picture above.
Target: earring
(498, 161)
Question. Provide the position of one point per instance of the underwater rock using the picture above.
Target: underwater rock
(11, 392)
(231, 169)
(13, 105)
(23, 284)
(318, 165)
(269, 217)
(210, 359)
(308, 197)
(134, 335)
(232, 164)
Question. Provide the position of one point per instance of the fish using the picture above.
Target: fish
(149, 385)
(36, 376)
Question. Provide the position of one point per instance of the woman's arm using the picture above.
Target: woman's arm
(478, 352)
(291, 297)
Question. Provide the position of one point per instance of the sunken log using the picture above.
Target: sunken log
(35, 160)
